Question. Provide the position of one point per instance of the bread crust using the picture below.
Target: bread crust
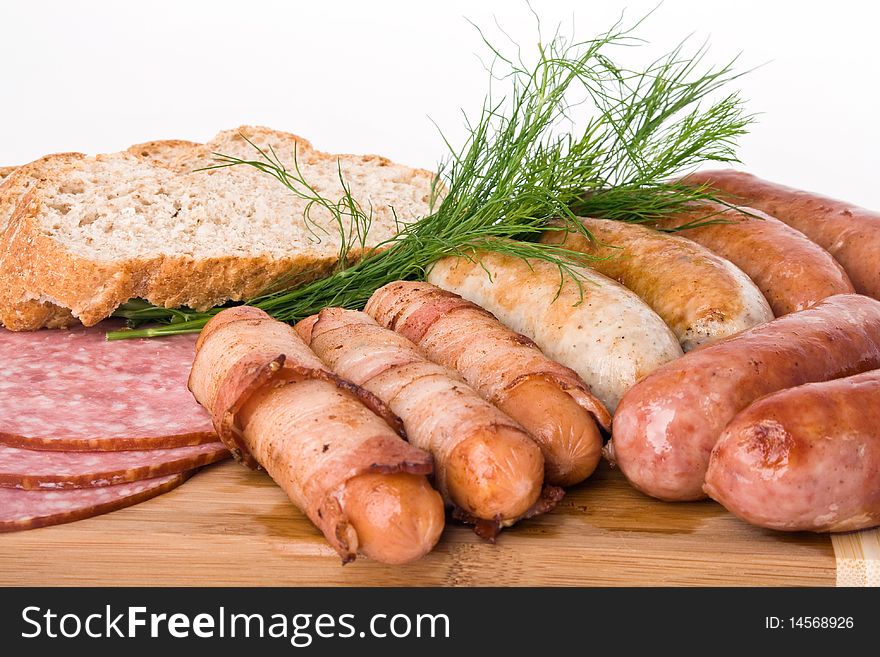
(44, 284)
(203, 154)
(5, 172)
(163, 151)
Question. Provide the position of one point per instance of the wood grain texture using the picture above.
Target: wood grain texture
(231, 526)
(858, 558)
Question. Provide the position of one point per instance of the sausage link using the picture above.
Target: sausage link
(804, 459)
(849, 233)
(583, 320)
(792, 271)
(549, 400)
(667, 424)
(701, 296)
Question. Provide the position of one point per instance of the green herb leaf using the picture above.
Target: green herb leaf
(572, 134)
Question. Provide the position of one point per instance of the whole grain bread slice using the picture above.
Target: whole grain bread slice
(13, 188)
(81, 235)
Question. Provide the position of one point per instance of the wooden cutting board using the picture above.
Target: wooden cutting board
(230, 526)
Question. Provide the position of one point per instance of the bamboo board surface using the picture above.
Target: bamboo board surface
(858, 558)
(230, 526)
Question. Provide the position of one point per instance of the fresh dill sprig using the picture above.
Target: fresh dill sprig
(573, 134)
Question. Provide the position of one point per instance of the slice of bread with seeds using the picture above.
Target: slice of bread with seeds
(81, 235)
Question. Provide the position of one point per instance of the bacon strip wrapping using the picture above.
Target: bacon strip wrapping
(497, 362)
(489, 356)
(497, 480)
(791, 271)
(309, 429)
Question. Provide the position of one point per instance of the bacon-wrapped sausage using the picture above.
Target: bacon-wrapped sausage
(276, 405)
(804, 459)
(584, 320)
(484, 463)
(666, 425)
(849, 233)
(701, 296)
(548, 399)
(792, 271)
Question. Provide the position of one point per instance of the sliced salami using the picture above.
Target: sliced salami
(42, 470)
(72, 390)
(29, 509)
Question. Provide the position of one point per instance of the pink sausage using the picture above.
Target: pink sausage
(804, 459)
(667, 424)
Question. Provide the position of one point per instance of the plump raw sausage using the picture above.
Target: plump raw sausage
(850, 233)
(804, 459)
(792, 271)
(276, 405)
(667, 425)
(484, 463)
(548, 399)
(584, 320)
(701, 296)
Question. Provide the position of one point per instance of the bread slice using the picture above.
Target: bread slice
(158, 152)
(81, 235)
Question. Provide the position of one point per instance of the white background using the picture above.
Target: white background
(97, 76)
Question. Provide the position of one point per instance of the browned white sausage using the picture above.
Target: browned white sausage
(549, 400)
(276, 405)
(583, 320)
(666, 425)
(484, 463)
(804, 459)
(849, 233)
(701, 296)
(792, 271)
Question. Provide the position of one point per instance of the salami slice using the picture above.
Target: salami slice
(42, 470)
(29, 509)
(72, 390)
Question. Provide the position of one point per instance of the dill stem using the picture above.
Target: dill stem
(573, 134)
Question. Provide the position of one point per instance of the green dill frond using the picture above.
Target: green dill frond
(571, 134)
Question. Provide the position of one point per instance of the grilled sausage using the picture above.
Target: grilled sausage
(792, 271)
(804, 459)
(849, 233)
(591, 324)
(667, 425)
(701, 296)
